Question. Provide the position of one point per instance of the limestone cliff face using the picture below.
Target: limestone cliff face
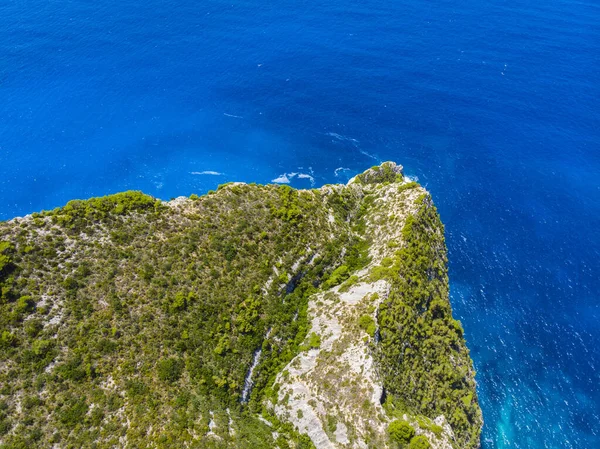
(254, 316)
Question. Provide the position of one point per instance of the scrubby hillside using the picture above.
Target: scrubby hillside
(254, 316)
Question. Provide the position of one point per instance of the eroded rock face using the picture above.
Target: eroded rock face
(332, 393)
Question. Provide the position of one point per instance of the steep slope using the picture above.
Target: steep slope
(254, 316)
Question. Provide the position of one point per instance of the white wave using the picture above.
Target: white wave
(372, 156)
(206, 172)
(339, 170)
(286, 178)
(306, 176)
(231, 115)
(342, 138)
(282, 179)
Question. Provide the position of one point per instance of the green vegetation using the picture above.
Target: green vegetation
(404, 435)
(401, 431)
(125, 303)
(367, 323)
(407, 186)
(5, 249)
(170, 370)
(419, 442)
(80, 213)
(384, 173)
(126, 319)
(422, 348)
(314, 341)
(339, 275)
(347, 285)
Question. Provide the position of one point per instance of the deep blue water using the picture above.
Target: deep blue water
(492, 104)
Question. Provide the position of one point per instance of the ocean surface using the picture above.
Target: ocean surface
(494, 105)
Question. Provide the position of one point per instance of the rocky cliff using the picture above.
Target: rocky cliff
(253, 316)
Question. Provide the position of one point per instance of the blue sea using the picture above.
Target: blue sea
(494, 105)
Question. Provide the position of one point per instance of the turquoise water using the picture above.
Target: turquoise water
(492, 105)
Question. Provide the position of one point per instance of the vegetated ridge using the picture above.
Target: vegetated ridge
(254, 316)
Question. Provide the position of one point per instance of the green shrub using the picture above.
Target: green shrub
(367, 323)
(407, 186)
(340, 274)
(5, 426)
(72, 370)
(70, 284)
(136, 388)
(314, 341)
(25, 305)
(401, 431)
(170, 370)
(6, 248)
(437, 430)
(357, 256)
(387, 262)
(178, 303)
(72, 412)
(30, 402)
(348, 284)
(8, 339)
(419, 442)
(41, 347)
(33, 327)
